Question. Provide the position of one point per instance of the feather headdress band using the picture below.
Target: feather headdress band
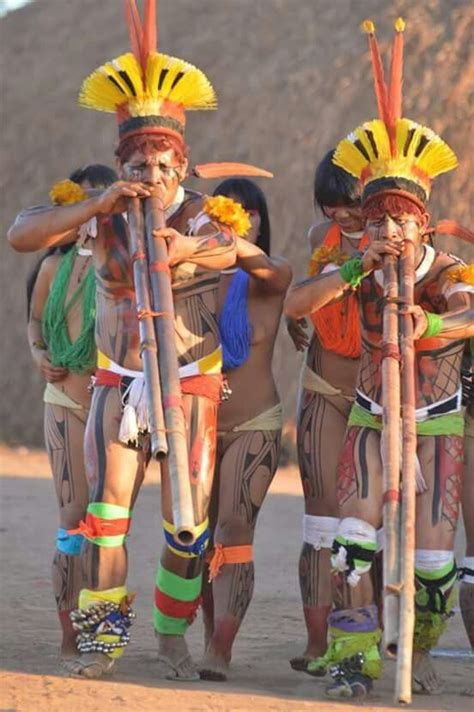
(148, 91)
(392, 147)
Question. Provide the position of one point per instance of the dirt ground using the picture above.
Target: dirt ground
(260, 679)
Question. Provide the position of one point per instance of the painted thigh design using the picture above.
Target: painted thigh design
(437, 510)
(321, 426)
(247, 462)
(114, 473)
(64, 438)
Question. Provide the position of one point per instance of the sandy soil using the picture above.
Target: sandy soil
(261, 678)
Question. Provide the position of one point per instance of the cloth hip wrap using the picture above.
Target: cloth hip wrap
(188, 551)
(311, 381)
(271, 419)
(102, 621)
(200, 378)
(435, 576)
(448, 424)
(354, 548)
(105, 524)
(352, 632)
(320, 532)
(55, 396)
(442, 418)
(177, 600)
(223, 555)
(466, 572)
(67, 543)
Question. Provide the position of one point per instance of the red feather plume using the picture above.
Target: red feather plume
(396, 78)
(143, 37)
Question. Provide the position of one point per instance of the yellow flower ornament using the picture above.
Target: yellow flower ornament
(323, 256)
(228, 212)
(66, 192)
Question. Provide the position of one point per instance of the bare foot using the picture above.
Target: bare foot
(213, 667)
(300, 662)
(425, 681)
(68, 648)
(89, 665)
(175, 661)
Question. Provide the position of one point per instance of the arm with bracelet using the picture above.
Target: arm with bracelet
(458, 321)
(317, 292)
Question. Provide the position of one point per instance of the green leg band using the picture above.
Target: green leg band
(167, 625)
(177, 587)
(108, 511)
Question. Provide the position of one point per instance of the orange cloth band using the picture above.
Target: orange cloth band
(221, 555)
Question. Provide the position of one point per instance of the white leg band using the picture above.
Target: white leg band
(319, 531)
(432, 559)
(467, 566)
(357, 530)
(353, 532)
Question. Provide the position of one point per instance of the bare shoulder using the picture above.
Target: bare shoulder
(443, 263)
(284, 270)
(317, 233)
(192, 205)
(277, 286)
(50, 265)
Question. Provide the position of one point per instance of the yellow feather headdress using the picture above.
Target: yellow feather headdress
(148, 91)
(392, 146)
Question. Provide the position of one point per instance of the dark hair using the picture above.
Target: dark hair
(252, 197)
(99, 176)
(96, 174)
(333, 186)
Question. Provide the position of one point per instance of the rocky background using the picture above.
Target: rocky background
(292, 77)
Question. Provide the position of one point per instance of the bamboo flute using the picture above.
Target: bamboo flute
(390, 448)
(407, 548)
(148, 345)
(162, 296)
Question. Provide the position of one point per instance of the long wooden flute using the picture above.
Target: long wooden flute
(390, 448)
(148, 345)
(162, 299)
(403, 681)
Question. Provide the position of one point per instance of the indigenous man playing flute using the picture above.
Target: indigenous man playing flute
(149, 92)
(395, 160)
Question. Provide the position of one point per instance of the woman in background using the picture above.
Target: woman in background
(249, 423)
(61, 323)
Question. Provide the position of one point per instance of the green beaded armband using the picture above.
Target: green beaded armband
(352, 272)
(434, 326)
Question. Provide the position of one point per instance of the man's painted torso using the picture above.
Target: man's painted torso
(194, 294)
(437, 360)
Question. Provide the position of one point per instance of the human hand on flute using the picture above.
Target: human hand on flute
(420, 320)
(115, 198)
(378, 249)
(180, 247)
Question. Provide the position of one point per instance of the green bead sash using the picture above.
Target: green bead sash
(80, 356)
